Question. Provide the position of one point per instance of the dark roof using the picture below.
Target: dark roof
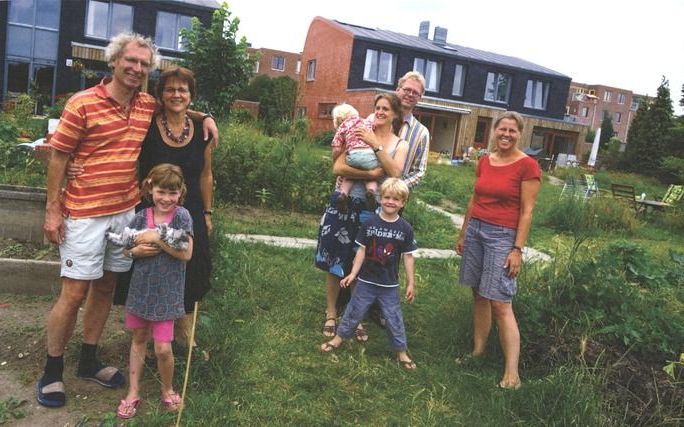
(449, 49)
(209, 4)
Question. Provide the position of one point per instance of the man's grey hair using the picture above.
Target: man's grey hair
(116, 46)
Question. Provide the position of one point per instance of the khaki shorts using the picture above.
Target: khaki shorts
(86, 253)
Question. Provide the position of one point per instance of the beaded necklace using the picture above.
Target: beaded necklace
(180, 139)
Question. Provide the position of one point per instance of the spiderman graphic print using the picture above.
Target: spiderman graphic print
(384, 243)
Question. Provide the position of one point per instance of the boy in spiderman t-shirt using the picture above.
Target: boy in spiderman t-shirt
(382, 240)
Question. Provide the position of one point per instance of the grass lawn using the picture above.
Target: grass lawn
(262, 327)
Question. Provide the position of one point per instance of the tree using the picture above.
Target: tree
(649, 133)
(681, 100)
(276, 96)
(607, 131)
(221, 64)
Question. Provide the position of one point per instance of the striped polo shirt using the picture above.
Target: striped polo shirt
(106, 141)
(418, 138)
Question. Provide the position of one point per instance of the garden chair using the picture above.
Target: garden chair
(588, 187)
(625, 193)
(569, 188)
(674, 194)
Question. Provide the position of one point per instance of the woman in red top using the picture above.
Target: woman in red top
(494, 231)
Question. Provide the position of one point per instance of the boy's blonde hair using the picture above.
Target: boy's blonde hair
(396, 187)
(341, 112)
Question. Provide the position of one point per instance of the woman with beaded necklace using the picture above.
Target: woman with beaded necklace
(176, 139)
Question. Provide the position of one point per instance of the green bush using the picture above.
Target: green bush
(248, 165)
(324, 139)
(55, 111)
(617, 294)
(587, 217)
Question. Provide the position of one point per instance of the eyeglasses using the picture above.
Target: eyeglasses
(410, 92)
(172, 90)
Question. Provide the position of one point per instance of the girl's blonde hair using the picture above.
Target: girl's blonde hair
(396, 187)
(167, 177)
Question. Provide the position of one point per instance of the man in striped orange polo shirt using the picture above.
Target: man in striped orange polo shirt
(103, 128)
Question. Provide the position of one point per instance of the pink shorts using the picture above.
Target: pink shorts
(162, 330)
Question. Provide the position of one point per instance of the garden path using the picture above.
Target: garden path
(529, 254)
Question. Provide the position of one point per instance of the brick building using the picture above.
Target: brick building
(277, 63)
(466, 88)
(588, 104)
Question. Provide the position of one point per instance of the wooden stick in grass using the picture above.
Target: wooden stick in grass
(187, 366)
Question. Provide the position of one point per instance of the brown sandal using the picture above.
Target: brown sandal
(408, 365)
(361, 335)
(330, 330)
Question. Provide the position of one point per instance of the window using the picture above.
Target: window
(32, 44)
(585, 112)
(498, 88)
(325, 110)
(459, 80)
(105, 19)
(431, 70)
(605, 114)
(256, 67)
(379, 66)
(617, 118)
(311, 70)
(167, 35)
(635, 104)
(278, 63)
(536, 94)
(299, 66)
(607, 95)
(621, 98)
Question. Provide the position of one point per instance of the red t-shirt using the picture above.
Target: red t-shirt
(498, 190)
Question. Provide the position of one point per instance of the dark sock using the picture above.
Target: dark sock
(54, 367)
(88, 361)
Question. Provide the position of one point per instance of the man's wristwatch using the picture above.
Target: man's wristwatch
(128, 253)
(379, 148)
(517, 248)
(207, 116)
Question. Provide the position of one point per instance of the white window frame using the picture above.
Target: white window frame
(110, 13)
(617, 117)
(584, 112)
(607, 95)
(276, 63)
(537, 94)
(378, 73)
(459, 80)
(299, 67)
(431, 71)
(311, 70)
(179, 40)
(621, 98)
(494, 78)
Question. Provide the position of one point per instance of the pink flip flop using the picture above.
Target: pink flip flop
(128, 409)
(173, 402)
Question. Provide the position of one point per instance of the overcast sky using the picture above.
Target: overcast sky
(626, 44)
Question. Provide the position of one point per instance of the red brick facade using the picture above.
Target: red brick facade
(331, 47)
(588, 103)
(277, 63)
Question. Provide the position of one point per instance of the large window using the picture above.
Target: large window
(498, 88)
(536, 94)
(311, 70)
(459, 80)
(379, 66)
(431, 70)
(32, 44)
(607, 95)
(167, 34)
(617, 117)
(621, 98)
(278, 63)
(105, 19)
